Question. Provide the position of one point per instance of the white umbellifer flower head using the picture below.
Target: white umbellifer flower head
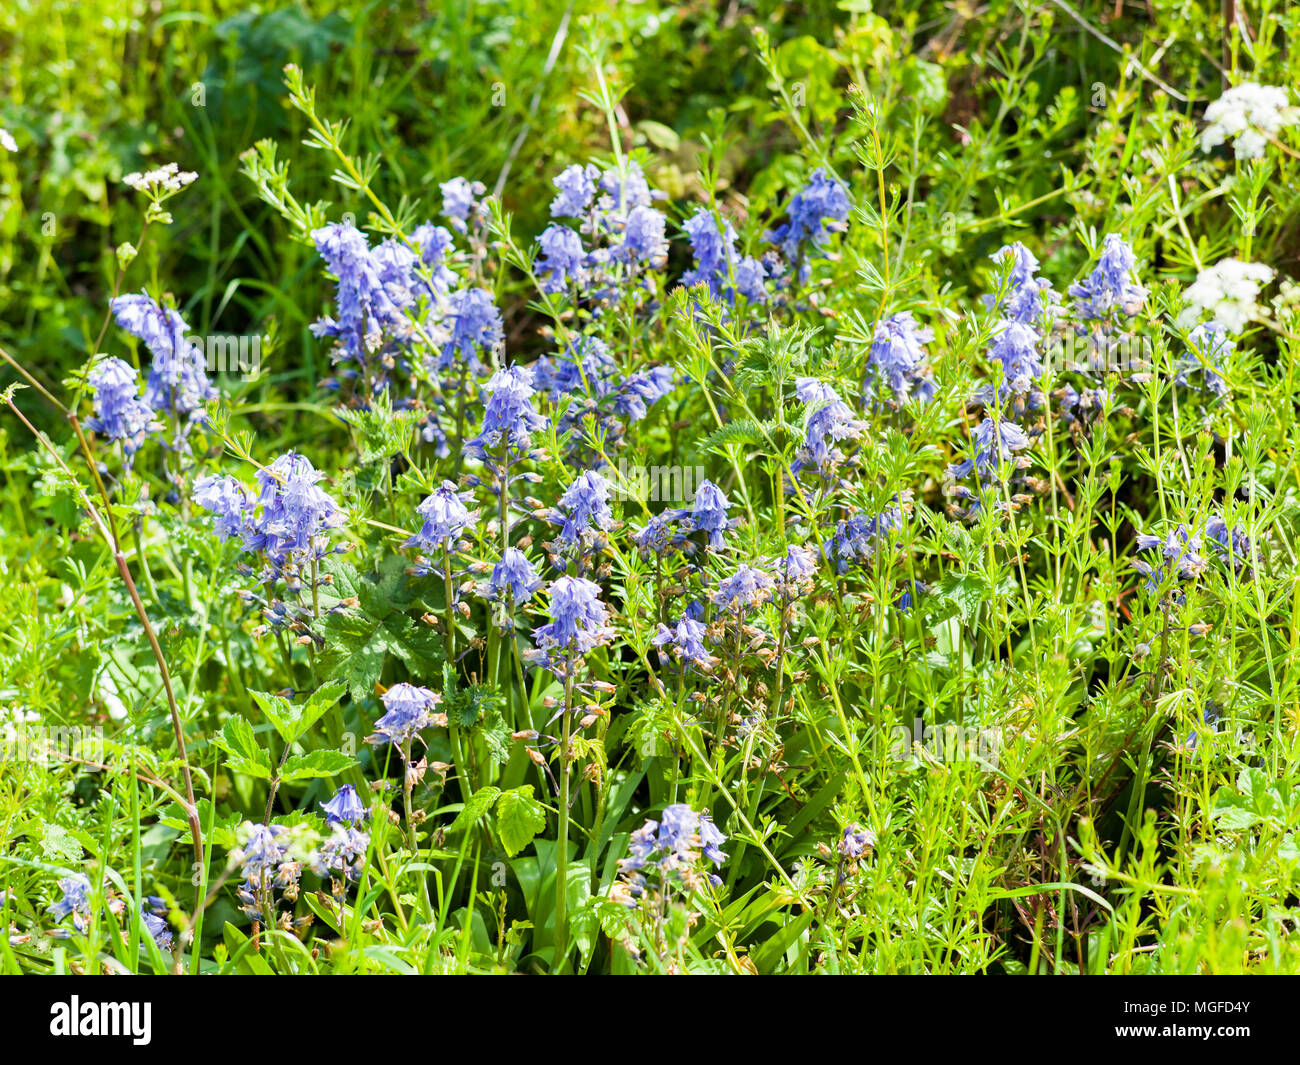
(1248, 113)
(1228, 290)
(7, 141)
(169, 178)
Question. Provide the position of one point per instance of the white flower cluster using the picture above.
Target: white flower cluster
(7, 141)
(169, 178)
(1248, 113)
(1228, 290)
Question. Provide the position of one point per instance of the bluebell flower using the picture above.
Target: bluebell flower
(1015, 346)
(709, 513)
(153, 915)
(911, 594)
(824, 200)
(120, 411)
(409, 709)
(365, 304)
(659, 535)
(643, 238)
(579, 620)
(345, 807)
(747, 588)
(445, 517)
(475, 325)
(897, 366)
(435, 243)
(855, 841)
(672, 846)
(460, 201)
(508, 414)
(344, 852)
(1231, 544)
(1078, 406)
(829, 421)
(622, 190)
(513, 573)
(859, 537)
(75, 902)
(637, 393)
(1030, 298)
(296, 514)
(177, 380)
(1180, 548)
(265, 847)
(228, 502)
(577, 188)
(995, 442)
(686, 641)
(796, 571)
(1111, 287)
(710, 839)
(563, 260)
(716, 259)
(585, 366)
(585, 504)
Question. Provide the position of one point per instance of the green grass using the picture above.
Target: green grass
(1093, 839)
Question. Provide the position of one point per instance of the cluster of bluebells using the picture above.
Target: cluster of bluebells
(1111, 290)
(579, 623)
(829, 422)
(619, 240)
(897, 365)
(1179, 551)
(995, 443)
(287, 520)
(1182, 552)
(718, 264)
(401, 308)
(121, 413)
(177, 383)
(345, 850)
(271, 859)
(1029, 299)
(860, 537)
(444, 516)
(75, 904)
(819, 208)
(599, 400)
(667, 857)
(669, 531)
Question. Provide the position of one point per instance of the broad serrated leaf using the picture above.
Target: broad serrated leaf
(479, 803)
(316, 764)
(520, 818)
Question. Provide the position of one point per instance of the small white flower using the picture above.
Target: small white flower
(1249, 114)
(1228, 290)
(169, 178)
(7, 141)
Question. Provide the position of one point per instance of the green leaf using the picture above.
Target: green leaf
(278, 710)
(965, 593)
(520, 818)
(360, 640)
(479, 804)
(316, 764)
(246, 756)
